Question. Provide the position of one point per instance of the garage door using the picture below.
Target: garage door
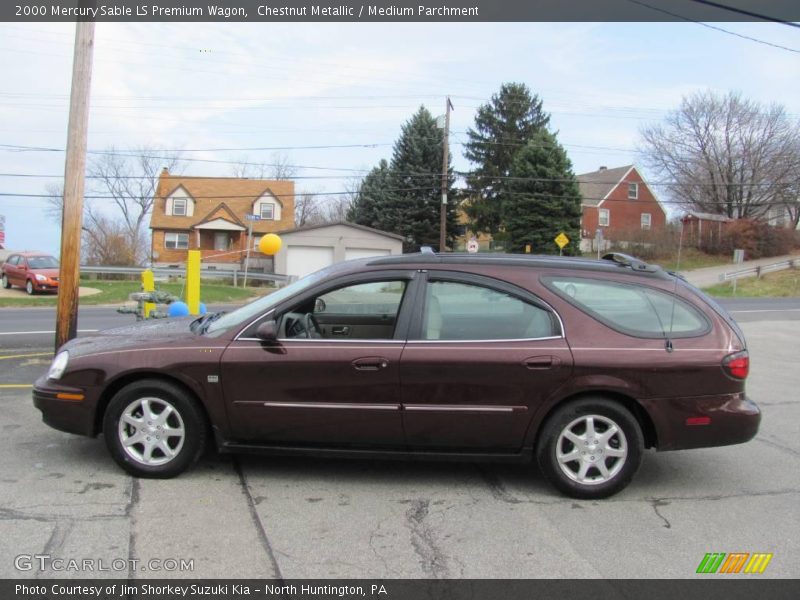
(302, 260)
(351, 253)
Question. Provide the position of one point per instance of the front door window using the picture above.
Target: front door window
(220, 240)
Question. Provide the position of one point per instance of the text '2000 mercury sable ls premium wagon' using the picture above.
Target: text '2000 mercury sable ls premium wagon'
(576, 364)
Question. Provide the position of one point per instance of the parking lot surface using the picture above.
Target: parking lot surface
(62, 496)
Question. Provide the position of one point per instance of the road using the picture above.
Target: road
(62, 495)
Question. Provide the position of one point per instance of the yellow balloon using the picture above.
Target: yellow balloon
(269, 244)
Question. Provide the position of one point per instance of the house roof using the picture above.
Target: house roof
(209, 193)
(595, 186)
(345, 224)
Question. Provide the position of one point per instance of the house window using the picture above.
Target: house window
(179, 207)
(603, 217)
(633, 191)
(645, 220)
(176, 241)
(267, 211)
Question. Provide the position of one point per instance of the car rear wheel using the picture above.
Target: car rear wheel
(590, 448)
(154, 429)
(29, 287)
(6, 282)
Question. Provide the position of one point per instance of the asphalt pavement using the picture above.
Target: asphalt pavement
(62, 495)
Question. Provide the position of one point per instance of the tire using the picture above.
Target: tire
(130, 435)
(29, 288)
(6, 283)
(584, 470)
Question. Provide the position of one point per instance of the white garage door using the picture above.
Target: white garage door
(302, 260)
(351, 253)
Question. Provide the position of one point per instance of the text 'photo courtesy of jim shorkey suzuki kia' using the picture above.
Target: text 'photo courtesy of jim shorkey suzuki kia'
(575, 365)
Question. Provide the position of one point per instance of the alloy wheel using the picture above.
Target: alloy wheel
(151, 431)
(591, 450)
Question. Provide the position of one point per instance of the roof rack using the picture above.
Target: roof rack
(635, 264)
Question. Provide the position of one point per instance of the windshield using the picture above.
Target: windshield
(248, 312)
(42, 262)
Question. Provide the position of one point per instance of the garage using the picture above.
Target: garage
(308, 249)
(302, 260)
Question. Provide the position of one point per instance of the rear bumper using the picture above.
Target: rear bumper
(65, 413)
(732, 419)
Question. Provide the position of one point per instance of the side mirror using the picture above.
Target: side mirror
(267, 331)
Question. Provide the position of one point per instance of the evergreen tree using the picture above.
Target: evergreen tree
(405, 198)
(372, 198)
(502, 126)
(543, 198)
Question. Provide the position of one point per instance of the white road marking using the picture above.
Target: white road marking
(38, 332)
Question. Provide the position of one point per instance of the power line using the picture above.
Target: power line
(747, 13)
(714, 27)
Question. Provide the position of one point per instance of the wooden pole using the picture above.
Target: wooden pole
(445, 161)
(72, 218)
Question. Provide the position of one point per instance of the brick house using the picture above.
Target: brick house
(617, 201)
(210, 214)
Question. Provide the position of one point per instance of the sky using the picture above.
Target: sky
(218, 91)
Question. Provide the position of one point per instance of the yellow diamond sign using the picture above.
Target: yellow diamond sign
(562, 240)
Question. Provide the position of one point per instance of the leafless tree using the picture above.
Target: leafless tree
(278, 166)
(725, 154)
(307, 209)
(124, 185)
(129, 179)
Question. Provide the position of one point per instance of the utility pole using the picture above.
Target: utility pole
(445, 160)
(71, 221)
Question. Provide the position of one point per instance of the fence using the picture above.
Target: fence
(205, 273)
(760, 270)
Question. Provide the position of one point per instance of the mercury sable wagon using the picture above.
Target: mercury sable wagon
(576, 365)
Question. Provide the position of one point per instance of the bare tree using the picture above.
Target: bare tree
(124, 183)
(279, 166)
(306, 209)
(129, 180)
(725, 154)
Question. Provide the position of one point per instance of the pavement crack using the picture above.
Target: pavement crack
(656, 503)
(262, 533)
(55, 543)
(133, 502)
(432, 558)
(780, 447)
(372, 535)
(496, 487)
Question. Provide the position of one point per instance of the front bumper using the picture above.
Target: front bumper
(732, 419)
(65, 413)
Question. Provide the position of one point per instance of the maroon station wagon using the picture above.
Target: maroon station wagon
(577, 364)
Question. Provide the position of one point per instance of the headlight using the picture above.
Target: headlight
(58, 366)
(40, 277)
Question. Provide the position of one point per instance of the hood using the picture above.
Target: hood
(51, 273)
(155, 332)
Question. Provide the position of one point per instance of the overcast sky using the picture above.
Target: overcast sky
(216, 90)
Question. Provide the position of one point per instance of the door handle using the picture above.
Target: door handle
(373, 363)
(340, 330)
(540, 363)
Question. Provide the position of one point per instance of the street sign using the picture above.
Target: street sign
(252, 217)
(472, 246)
(561, 240)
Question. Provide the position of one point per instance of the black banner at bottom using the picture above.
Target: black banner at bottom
(706, 588)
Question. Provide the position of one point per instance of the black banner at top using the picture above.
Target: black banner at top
(277, 11)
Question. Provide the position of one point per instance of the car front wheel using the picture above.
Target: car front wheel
(154, 429)
(29, 287)
(590, 448)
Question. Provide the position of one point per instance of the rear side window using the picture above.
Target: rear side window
(13, 260)
(631, 309)
(460, 311)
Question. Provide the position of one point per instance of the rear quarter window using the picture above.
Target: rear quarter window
(635, 310)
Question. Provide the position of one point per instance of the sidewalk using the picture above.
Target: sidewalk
(710, 275)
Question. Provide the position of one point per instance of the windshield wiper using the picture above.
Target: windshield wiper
(203, 327)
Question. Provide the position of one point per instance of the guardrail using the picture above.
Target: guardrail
(758, 271)
(204, 273)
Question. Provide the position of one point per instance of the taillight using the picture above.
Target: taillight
(737, 365)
